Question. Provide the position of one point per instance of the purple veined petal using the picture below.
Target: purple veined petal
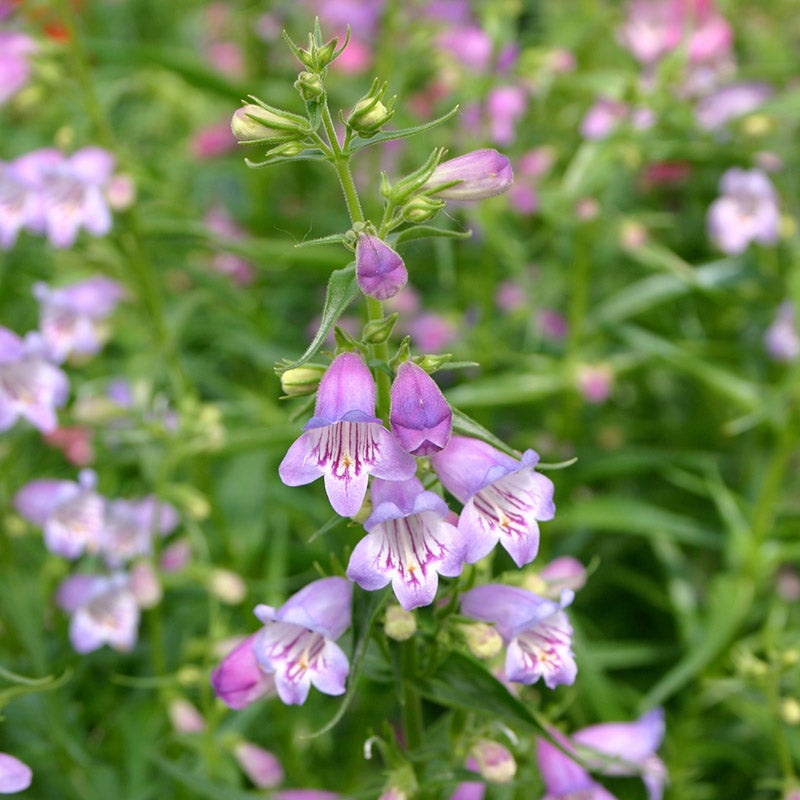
(346, 386)
(346, 494)
(37, 500)
(511, 608)
(76, 525)
(15, 776)
(543, 651)
(324, 606)
(421, 419)
(239, 679)
(110, 616)
(330, 671)
(630, 741)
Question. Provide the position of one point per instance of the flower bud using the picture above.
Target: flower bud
(261, 766)
(185, 718)
(227, 586)
(301, 380)
(473, 176)
(399, 624)
(380, 271)
(239, 679)
(368, 116)
(253, 123)
(495, 763)
(309, 84)
(421, 209)
(378, 331)
(483, 640)
(420, 417)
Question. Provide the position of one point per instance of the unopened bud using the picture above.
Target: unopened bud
(421, 209)
(253, 123)
(368, 116)
(261, 766)
(421, 419)
(483, 640)
(309, 84)
(495, 763)
(399, 624)
(790, 711)
(473, 176)
(379, 330)
(301, 380)
(185, 718)
(227, 586)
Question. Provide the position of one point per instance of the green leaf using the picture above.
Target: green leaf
(462, 683)
(334, 238)
(509, 389)
(201, 786)
(428, 232)
(467, 426)
(342, 289)
(403, 133)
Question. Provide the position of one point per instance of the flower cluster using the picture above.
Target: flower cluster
(50, 193)
(76, 520)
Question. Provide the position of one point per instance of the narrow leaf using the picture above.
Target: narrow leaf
(403, 133)
(467, 426)
(428, 232)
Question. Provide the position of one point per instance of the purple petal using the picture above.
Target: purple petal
(329, 674)
(75, 591)
(473, 176)
(298, 467)
(346, 386)
(92, 165)
(380, 271)
(347, 494)
(239, 680)
(630, 741)
(14, 775)
(420, 418)
(37, 500)
(562, 775)
(323, 607)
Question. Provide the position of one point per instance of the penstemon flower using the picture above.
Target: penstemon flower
(503, 498)
(72, 515)
(409, 543)
(131, 525)
(535, 630)
(473, 176)
(15, 775)
(297, 643)
(380, 271)
(344, 440)
(240, 680)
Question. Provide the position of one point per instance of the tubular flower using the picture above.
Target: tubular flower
(131, 525)
(420, 418)
(380, 272)
(408, 543)
(240, 680)
(536, 632)
(473, 176)
(344, 440)
(72, 515)
(297, 644)
(611, 748)
(15, 776)
(30, 386)
(503, 498)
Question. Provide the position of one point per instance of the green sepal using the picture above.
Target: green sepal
(342, 290)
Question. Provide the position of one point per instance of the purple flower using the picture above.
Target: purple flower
(71, 514)
(505, 105)
(130, 527)
(344, 440)
(730, 102)
(380, 271)
(240, 680)
(15, 50)
(469, 45)
(612, 748)
(746, 212)
(651, 29)
(297, 643)
(781, 339)
(71, 315)
(503, 498)
(261, 766)
(14, 775)
(19, 206)
(473, 176)
(408, 543)
(420, 417)
(535, 630)
(104, 611)
(602, 118)
(70, 190)
(30, 386)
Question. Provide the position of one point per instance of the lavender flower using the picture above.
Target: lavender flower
(19, 207)
(344, 440)
(409, 543)
(503, 498)
(71, 316)
(30, 386)
(104, 611)
(240, 680)
(781, 339)
(15, 51)
(473, 176)
(380, 271)
(535, 630)
(297, 643)
(15, 776)
(420, 417)
(131, 525)
(505, 105)
(730, 102)
(261, 766)
(746, 212)
(613, 748)
(71, 514)
(70, 190)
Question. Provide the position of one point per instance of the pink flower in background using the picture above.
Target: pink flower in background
(238, 269)
(75, 442)
(30, 386)
(782, 340)
(71, 316)
(731, 102)
(212, 141)
(15, 52)
(130, 526)
(603, 118)
(505, 105)
(431, 332)
(595, 382)
(261, 766)
(747, 211)
(469, 45)
(651, 30)
(20, 208)
(552, 324)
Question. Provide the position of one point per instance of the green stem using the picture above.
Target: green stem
(412, 702)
